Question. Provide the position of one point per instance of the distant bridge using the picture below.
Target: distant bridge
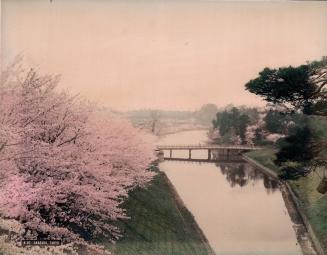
(207, 147)
(225, 150)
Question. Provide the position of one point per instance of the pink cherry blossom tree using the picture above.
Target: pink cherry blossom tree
(65, 167)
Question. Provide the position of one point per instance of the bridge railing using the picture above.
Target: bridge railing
(206, 146)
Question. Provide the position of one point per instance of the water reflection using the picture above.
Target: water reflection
(241, 174)
(240, 210)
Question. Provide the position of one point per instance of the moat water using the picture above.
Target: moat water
(239, 209)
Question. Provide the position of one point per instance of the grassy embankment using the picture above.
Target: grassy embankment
(313, 203)
(160, 224)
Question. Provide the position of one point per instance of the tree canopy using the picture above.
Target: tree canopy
(275, 122)
(230, 123)
(301, 88)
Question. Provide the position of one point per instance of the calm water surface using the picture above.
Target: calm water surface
(240, 210)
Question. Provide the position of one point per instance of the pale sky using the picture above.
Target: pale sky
(164, 54)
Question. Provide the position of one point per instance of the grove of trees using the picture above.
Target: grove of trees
(301, 92)
(65, 168)
(232, 124)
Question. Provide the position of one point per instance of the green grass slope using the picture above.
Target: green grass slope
(314, 204)
(265, 157)
(159, 224)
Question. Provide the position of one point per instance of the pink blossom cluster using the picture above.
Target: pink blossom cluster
(65, 168)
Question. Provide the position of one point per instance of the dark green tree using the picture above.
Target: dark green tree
(243, 122)
(231, 122)
(297, 152)
(297, 147)
(299, 89)
(252, 113)
(258, 136)
(275, 122)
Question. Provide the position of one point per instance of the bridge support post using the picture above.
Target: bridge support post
(209, 154)
(161, 155)
(227, 154)
(189, 154)
(170, 153)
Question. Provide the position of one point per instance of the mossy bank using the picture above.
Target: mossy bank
(311, 203)
(159, 224)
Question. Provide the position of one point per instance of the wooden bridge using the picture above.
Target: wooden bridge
(222, 149)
